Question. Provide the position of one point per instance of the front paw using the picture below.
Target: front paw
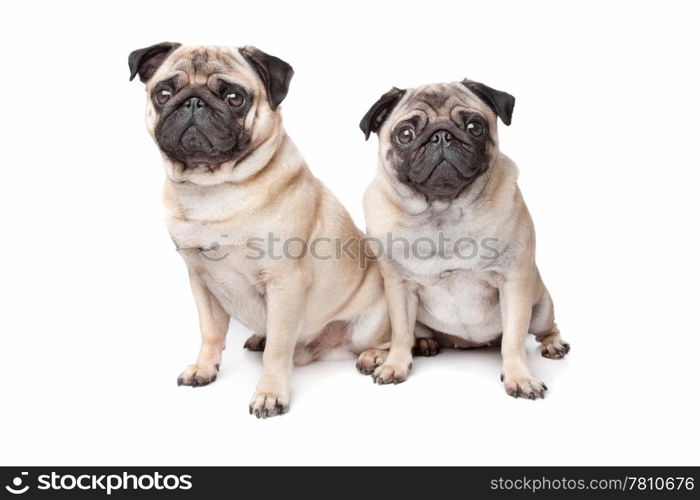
(198, 375)
(523, 386)
(391, 373)
(268, 404)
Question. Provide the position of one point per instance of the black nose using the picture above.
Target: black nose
(441, 137)
(193, 103)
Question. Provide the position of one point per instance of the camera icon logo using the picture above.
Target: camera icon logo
(16, 488)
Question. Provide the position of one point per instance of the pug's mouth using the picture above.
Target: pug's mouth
(448, 175)
(205, 162)
(202, 164)
(444, 174)
(444, 179)
(194, 150)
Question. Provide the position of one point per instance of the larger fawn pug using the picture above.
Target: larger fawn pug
(442, 178)
(235, 185)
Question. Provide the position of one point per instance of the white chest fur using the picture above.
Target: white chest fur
(455, 272)
(226, 269)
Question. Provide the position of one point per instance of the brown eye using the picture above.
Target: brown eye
(475, 128)
(163, 96)
(234, 99)
(405, 135)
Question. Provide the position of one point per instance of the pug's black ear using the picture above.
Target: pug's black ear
(502, 103)
(380, 110)
(273, 71)
(144, 62)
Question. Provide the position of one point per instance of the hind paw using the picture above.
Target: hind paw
(370, 359)
(426, 347)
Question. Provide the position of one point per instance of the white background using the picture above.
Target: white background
(97, 319)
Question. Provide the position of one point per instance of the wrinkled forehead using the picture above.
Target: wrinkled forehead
(442, 100)
(199, 65)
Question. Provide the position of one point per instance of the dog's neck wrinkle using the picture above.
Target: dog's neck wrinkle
(501, 171)
(283, 162)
